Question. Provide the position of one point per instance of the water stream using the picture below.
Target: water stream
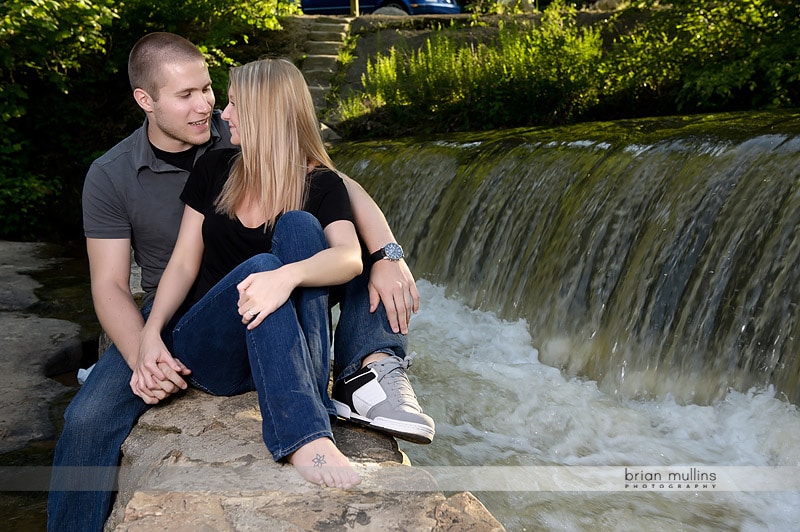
(497, 405)
(620, 294)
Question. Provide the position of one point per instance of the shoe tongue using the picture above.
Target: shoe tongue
(384, 369)
(385, 366)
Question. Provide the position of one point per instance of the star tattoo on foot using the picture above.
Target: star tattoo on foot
(319, 460)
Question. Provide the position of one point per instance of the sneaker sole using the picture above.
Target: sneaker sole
(413, 432)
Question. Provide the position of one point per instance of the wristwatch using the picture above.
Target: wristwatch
(391, 251)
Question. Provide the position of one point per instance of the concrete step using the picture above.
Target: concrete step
(330, 27)
(325, 39)
(323, 47)
(320, 62)
(340, 19)
(318, 95)
(318, 77)
(315, 35)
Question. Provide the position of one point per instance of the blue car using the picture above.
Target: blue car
(413, 7)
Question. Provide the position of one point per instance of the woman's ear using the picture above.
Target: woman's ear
(143, 99)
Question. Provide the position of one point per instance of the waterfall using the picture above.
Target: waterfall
(657, 257)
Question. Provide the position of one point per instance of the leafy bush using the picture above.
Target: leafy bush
(692, 56)
(64, 93)
(529, 73)
(41, 42)
(706, 56)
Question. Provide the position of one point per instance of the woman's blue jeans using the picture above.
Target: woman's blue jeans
(286, 358)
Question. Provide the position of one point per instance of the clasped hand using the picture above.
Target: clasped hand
(156, 374)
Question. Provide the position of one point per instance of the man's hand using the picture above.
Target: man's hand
(156, 374)
(163, 388)
(391, 282)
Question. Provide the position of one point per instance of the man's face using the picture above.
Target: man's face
(181, 117)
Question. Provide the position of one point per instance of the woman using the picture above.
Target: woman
(252, 270)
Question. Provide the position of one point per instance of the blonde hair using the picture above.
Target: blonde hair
(280, 138)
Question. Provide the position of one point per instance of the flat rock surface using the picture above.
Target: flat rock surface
(28, 346)
(199, 463)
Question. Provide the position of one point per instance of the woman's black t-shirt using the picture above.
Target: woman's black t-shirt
(227, 242)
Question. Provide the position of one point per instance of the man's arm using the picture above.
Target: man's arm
(110, 268)
(390, 282)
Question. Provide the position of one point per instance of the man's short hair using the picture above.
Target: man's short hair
(153, 51)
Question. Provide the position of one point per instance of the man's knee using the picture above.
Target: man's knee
(81, 417)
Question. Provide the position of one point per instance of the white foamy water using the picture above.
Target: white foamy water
(495, 404)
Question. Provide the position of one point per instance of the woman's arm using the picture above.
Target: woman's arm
(262, 293)
(173, 287)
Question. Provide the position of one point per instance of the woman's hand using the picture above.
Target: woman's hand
(261, 294)
(391, 282)
(156, 374)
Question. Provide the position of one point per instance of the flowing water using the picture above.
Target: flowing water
(496, 404)
(607, 295)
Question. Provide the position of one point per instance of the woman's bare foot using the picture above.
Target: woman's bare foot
(320, 462)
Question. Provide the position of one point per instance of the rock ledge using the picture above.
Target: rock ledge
(199, 463)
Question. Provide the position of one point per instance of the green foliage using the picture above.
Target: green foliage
(214, 23)
(711, 55)
(41, 42)
(692, 56)
(64, 96)
(530, 73)
(21, 200)
(49, 37)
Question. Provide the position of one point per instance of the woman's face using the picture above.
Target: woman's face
(231, 116)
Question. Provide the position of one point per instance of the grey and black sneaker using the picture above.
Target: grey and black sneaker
(380, 396)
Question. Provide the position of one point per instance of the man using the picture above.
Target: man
(131, 199)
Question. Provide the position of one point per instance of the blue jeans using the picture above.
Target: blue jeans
(360, 332)
(286, 358)
(104, 411)
(87, 454)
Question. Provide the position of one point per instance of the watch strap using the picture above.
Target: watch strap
(378, 255)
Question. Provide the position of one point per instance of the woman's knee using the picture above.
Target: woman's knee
(298, 218)
(297, 225)
(298, 235)
(259, 263)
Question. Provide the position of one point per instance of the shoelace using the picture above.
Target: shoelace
(396, 383)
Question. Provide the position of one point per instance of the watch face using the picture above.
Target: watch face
(393, 251)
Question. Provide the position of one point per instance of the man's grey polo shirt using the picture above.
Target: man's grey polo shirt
(129, 193)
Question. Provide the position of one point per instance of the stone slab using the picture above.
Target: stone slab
(30, 347)
(199, 463)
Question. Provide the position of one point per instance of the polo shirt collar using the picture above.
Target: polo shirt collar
(143, 156)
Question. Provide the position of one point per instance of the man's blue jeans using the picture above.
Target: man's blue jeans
(104, 411)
